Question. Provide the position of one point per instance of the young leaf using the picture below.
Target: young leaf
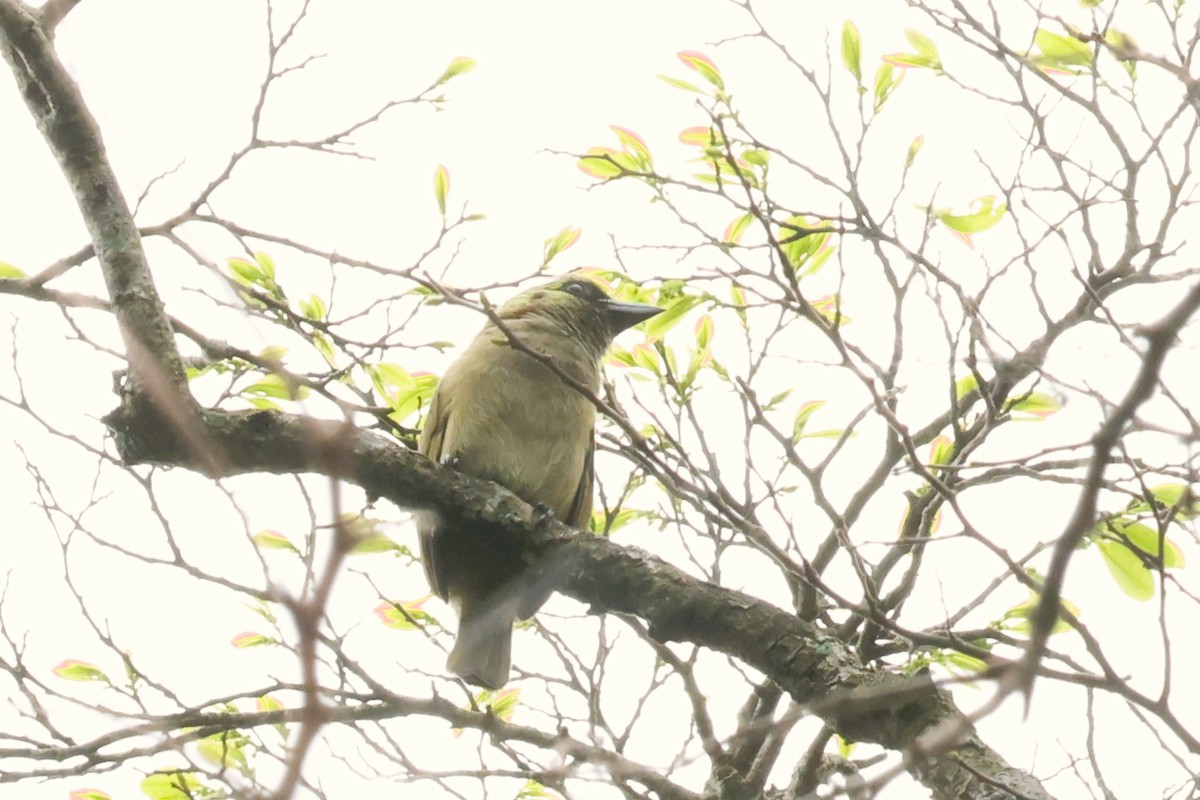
(73, 670)
(172, 785)
(1061, 53)
(1147, 539)
(983, 213)
(9, 271)
(1038, 405)
(886, 81)
(678, 84)
(925, 57)
(703, 65)
(913, 149)
(964, 386)
(802, 416)
(504, 703)
(852, 50)
(1127, 570)
(457, 67)
(635, 146)
(313, 307)
(272, 540)
(601, 162)
(657, 326)
(251, 639)
(941, 451)
(403, 616)
(559, 242)
(733, 233)
(441, 186)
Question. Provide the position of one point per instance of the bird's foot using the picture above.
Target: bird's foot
(542, 513)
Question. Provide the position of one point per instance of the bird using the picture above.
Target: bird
(502, 414)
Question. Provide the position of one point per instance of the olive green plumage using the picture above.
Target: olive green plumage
(501, 414)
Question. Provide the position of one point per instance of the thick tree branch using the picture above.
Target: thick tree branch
(156, 373)
(816, 669)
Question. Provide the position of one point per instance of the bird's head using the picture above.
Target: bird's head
(580, 307)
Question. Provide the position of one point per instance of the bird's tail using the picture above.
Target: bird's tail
(482, 653)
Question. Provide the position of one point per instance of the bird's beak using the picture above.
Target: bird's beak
(626, 315)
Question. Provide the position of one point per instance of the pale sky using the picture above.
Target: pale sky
(171, 83)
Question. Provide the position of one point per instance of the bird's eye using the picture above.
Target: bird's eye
(577, 288)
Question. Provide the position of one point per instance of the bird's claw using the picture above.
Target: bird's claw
(542, 513)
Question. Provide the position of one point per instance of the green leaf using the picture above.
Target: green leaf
(704, 331)
(1177, 496)
(964, 662)
(678, 84)
(645, 357)
(559, 242)
(802, 417)
(737, 296)
(272, 540)
(804, 246)
(274, 385)
(758, 158)
(852, 50)
(1017, 617)
(941, 451)
(251, 639)
(635, 146)
(913, 149)
(441, 186)
(313, 307)
(845, 747)
(457, 67)
(656, 327)
(701, 136)
(7, 270)
(323, 346)
(601, 162)
(266, 264)
(922, 44)
(73, 670)
(89, 794)
(964, 386)
(406, 402)
(268, 703)
(1061, 53)
(225, 749)
(1127, 570)
(408, 619)
(1036, 404)
(532, 790)
(1146, 539)
(378, 543)
(703, 65)
(245, 273)
(601, 522)
(926, 56)
(172, 786)
(983, 213)
(830, 307)
(504, 703)
(733, 233)
(886, 81)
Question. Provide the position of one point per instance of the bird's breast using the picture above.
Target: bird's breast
(516, 422)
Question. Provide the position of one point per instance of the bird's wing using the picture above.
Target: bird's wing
(427, 521)
(580, 514)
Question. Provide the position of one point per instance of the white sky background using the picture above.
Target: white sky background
(173, 82)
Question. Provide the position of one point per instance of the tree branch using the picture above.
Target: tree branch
(817, 670)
